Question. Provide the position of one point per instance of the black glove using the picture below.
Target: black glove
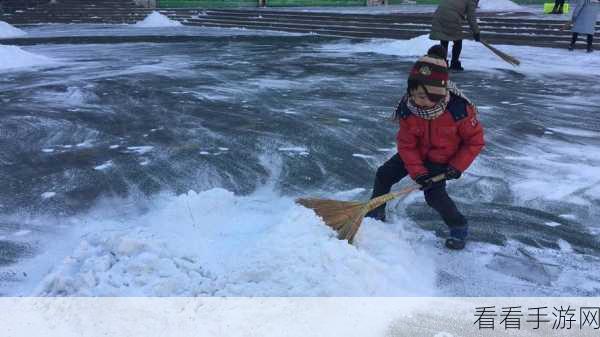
(476, 37)
(452, 173)
(425, 181)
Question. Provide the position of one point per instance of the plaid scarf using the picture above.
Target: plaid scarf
(438, 109)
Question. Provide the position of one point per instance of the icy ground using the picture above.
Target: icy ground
(174, 172)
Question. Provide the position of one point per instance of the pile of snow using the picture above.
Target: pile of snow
(498, 6)
(155, 19)
(12, 57)
(475, 56)
(215, 243)
(7, 31)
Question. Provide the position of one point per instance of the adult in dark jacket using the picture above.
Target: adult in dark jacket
(439, 133)
(447, 26)
(584, 20)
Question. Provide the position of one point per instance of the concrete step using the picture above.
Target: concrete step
(370, 25)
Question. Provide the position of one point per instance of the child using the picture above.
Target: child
(439, 133)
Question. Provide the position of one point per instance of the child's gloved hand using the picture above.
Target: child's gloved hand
(452, 173)
(425, 181)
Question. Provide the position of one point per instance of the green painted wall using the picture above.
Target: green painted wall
(289, 3)
(206, 3)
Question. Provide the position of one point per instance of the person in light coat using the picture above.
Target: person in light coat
(447, 26)
(584, 20)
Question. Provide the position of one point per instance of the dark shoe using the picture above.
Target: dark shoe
(456, 66)
(457, 237)
(571, 47)
(377, 214)
(455, 243)
(590, 49)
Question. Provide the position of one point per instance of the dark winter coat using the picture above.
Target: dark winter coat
(585, 16)
(454, 138)
(448, 19)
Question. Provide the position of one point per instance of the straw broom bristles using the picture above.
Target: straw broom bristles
(346, 216)
(502, 55)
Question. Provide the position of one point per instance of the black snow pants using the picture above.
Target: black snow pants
(393, 170)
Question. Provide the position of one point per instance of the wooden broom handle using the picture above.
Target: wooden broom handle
(382, 199)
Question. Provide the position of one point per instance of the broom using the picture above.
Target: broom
(501, 54)
(346, 216)
(565, 26)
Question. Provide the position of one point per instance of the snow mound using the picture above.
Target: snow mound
(417, 46)
(498, 6)
(8, 31)
(155, 19)
(12, 57)
(215, 243)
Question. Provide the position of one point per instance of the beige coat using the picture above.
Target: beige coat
(449, 17)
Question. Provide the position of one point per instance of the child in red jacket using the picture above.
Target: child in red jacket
(439, 133)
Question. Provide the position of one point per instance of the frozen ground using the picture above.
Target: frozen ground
(174, 172)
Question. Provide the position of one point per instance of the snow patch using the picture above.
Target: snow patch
(22, 232)
(48, 195)
(104, 166)
(499, 6)
(12, 57)
(140, 149)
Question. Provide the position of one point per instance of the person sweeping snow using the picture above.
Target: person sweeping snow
(439, 134)
(584, 22)
(447, 26)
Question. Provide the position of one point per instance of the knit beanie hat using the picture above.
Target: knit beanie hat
(432, 73)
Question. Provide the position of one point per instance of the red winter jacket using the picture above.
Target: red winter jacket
(454, 138)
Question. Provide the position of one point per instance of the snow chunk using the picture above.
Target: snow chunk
(155, 19)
